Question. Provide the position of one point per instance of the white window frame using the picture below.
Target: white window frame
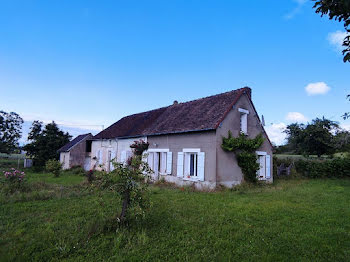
(243, 120)
(163, 169)
(187, 156)
(266, 166)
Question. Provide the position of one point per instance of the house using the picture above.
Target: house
(77, 152)
(185, 140)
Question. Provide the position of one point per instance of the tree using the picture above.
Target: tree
(44, 143)
(317, 137)
(337, 10)
(10, 131)
(295, 136)
(129, 181)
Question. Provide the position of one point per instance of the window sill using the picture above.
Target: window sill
(191, 179)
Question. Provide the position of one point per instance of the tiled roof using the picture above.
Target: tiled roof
(72, 143)
(197, 115)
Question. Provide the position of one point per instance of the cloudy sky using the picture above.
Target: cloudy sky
(86, 64)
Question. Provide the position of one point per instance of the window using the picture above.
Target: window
(264, 161)
(190, 164)
(160, 161)
(243, 120)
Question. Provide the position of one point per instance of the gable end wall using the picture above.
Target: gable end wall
(227, 169)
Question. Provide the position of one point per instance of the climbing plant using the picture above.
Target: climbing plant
(244, 149)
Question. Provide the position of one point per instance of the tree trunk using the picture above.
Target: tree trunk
(125, 205)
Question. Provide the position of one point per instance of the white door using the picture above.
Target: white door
(262, 170)
(87, 163)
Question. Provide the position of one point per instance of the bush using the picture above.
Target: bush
(90, 176)
(77, 170)
(13, 181)
(54, 166)
(312, 168)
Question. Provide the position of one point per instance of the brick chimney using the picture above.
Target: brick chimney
(248, 91)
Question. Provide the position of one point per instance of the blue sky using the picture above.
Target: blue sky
(86, 64)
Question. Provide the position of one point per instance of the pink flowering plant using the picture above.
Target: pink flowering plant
(13, 180)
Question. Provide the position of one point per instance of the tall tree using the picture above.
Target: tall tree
(44, 143)
(295, 136)
(338, 10)
(10, 131)
(319, 137)
(315, 138)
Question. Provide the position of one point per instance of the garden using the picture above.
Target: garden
(65, 219)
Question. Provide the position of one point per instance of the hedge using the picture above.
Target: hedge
(335, 168)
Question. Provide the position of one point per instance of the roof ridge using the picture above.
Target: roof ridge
(235, 90)
(197, 99)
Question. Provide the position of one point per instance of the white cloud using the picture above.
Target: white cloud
(345, 127)
(319, 88)
(85, 125)
(296, 117)
(275, 133)
(336, 39)
(296, 10)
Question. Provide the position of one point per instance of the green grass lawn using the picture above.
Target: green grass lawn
(290, 220)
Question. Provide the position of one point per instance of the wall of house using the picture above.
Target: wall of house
(114, 145)
(64, 160)
(77, 154)
(227, 170)
(205, 141)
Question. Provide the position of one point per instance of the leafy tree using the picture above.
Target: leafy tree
(338, 10)
(10, 131)
(317, 137)
(295, 137)
(342, 141)
(129, 181)
(44, 142)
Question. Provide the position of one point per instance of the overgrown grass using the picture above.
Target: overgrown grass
(289, 220)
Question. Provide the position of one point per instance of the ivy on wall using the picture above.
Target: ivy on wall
(244, 149)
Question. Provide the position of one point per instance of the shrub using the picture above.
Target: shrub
(13, 181)
(77, 170)
(129, 181)
(314, 168)
(90, 176)
(54, 166)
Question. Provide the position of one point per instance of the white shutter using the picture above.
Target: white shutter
(244, 123)
(268, 166)
(201, 162)
(169, 162)
(163, 163)
(180, 164)
(100, 157)
(156, 163)
(111, 166)
(123, 157)
(150, 160)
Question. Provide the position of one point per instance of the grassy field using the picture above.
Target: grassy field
(290, 220)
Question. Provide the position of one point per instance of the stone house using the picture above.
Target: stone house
(185, 140)
(77, 152)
